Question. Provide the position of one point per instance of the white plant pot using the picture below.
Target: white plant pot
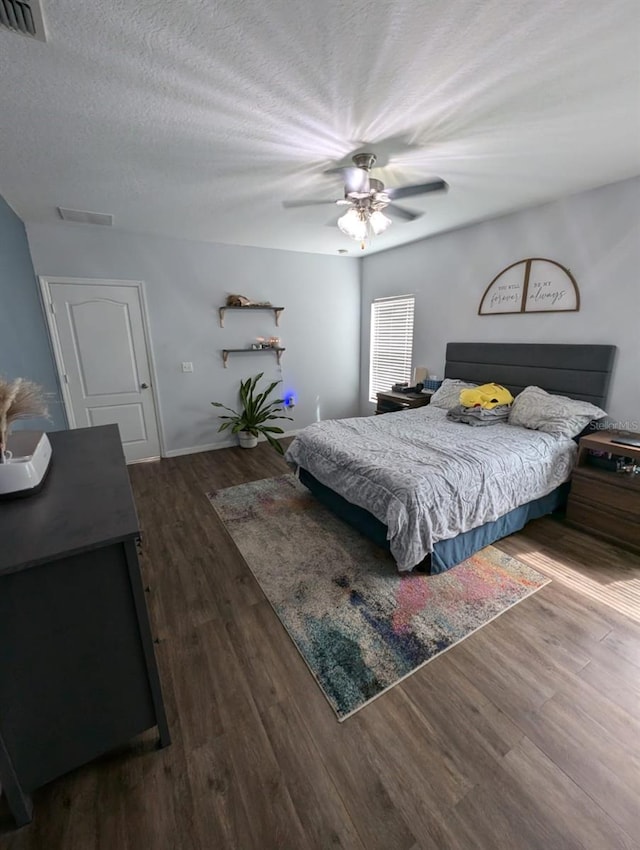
(247, 440)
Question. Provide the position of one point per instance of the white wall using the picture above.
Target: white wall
(185, 284)
(596, 234)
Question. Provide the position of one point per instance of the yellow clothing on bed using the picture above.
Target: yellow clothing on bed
(487, 396)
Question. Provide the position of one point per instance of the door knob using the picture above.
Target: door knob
(144, 386)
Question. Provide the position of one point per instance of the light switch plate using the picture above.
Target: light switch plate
(187, 367)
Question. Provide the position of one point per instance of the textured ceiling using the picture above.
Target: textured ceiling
(196, 119)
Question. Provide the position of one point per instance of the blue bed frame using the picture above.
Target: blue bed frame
(578, 371)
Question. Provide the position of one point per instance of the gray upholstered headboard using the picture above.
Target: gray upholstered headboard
(578, 371)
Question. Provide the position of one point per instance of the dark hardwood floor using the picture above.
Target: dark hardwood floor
(526, 736)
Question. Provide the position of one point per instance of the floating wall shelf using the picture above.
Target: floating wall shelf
(276, 311)
(227, 351)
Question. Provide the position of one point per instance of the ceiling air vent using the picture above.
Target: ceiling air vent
(83, 216)
(23, 16)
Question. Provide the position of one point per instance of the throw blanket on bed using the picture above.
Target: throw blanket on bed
(479, 415)
(427, 478)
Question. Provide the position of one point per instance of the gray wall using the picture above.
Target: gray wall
(24, 344)
(185, 284)
(596, 234)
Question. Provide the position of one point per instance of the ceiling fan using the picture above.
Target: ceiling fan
(367, 197)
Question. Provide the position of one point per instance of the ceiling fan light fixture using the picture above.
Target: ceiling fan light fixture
(363, 223)
(379, 222)
(354, 224)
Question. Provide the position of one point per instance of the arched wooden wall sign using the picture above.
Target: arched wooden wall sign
(535, 285)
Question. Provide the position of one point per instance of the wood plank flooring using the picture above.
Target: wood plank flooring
(526, 736)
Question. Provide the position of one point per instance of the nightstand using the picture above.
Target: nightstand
(391, 402)
(602, 501)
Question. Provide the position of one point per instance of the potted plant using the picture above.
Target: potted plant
(256, 415)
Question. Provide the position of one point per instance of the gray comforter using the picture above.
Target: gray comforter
(427, 478)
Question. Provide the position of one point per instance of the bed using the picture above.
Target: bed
(385, 475)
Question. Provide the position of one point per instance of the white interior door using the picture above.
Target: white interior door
(99, 334)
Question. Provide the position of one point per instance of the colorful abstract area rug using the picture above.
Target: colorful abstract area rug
(360, 626)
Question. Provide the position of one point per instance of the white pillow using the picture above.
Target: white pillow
(448, 394)
(554, 414)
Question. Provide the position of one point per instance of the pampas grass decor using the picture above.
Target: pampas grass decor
(18, 400)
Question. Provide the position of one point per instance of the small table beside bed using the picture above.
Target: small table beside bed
(435, 491)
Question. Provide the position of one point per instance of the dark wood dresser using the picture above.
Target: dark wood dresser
(391, 402)
(602, 501)
(78, 674)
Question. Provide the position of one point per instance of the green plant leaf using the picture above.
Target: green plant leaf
(224, 407)
(275, 444)
(252, 383)
(261, 399)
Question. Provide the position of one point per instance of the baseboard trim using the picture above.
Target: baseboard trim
(223, 444)
(207, 447)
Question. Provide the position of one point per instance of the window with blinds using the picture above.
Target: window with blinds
(391, 349)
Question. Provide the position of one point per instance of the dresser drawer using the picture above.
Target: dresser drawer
(618, 527)
(612, 496)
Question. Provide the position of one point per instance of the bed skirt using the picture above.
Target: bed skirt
(446, 553)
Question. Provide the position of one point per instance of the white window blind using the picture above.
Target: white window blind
(391, 349)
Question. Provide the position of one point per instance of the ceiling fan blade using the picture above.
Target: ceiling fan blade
(401, 212)
(333, 222)
(356, 180)
(419, 189)
(311, 202)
